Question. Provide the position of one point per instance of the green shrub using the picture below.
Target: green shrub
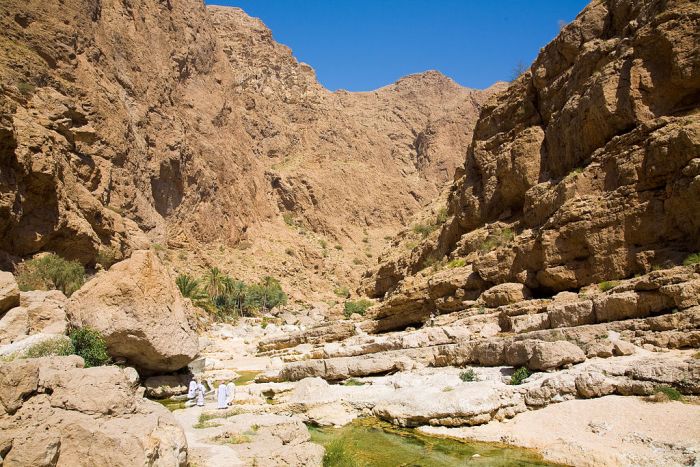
(57, 346)
(343, 292)
(357, 261)
(520, 375)
(26, 88)
(424, 229)
(468, 376)
(692, 259)
(323, 243)
(457, 263)
(353, 382)
(358, 306)
(107, 256)
(496, 239)
(50, 271)
(441, 217)
(338, 247)
(338, 455)
(671, 393)
(607, 285)
(288, 219)
(89, 344)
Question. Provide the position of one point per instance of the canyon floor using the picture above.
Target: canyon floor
(265, 425)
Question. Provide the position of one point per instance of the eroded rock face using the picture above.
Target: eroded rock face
(140, 312)
(9, 292)
(55, 412)
(583, 170)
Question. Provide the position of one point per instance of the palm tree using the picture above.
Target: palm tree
(214, 282)
(190, 288)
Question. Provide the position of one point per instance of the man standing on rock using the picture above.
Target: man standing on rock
(200, 395)
(192, 390)
(222, 396)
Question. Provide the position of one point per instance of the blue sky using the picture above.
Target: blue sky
(360, 45)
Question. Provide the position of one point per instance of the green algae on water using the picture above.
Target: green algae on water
(171, 404)
(369, 442)
(246, 376)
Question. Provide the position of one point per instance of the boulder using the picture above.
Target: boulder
(9, 292)
(574, 313)
(489, 353)
(602, 348)
(505, 294)
(617, 306)
(14, 325)
(140, 312)
(527, 323)
(594, 384)
(164, 386)
(684, 295)
(551, 355)
(46, 311)
(55, 412)
(623, 348)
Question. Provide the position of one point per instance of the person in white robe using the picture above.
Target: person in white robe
(200, 395)
(192, 389)
(222, 396)
(231, 393)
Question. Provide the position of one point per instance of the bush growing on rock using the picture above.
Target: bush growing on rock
(89, 344)
(607, 285)
(357, 306)
(496, 239)
(58, 346)
(520, 375)
(343, 292)
(692, 259)
(665, 394)
(469, 376)
(50, 271)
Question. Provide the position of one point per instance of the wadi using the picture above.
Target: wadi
(207, 258)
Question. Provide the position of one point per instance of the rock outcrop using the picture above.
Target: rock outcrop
(585, 168)
(54, 412)
(39, 312)
(140, 312)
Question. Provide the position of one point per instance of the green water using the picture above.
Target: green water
(246, 376)
(171, 404)
(372, 443)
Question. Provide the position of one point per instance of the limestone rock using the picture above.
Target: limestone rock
(574, 313)
(164, 386)
(14, 325)
(505, 294)
(549, 355)
(594, 384)
(58, 413)
(623, 348)
(46, 311)
(140, 312)
(9, 291)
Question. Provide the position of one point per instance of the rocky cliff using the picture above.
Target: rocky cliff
(124, 124)
(586, 169)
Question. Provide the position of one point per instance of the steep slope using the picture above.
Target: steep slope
(585, 169)
(190, 127)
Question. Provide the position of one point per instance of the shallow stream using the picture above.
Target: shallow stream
(371, 443)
